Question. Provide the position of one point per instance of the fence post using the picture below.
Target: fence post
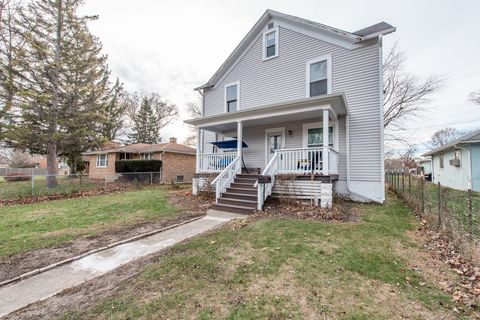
(422, 196)
(470, 213)
(33, 181)
(439, 205)
(403, 182)
(151, 178)
(409, 183)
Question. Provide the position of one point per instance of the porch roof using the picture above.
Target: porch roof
(305, 108)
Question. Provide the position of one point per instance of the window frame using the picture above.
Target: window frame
(319, 125)
(325, 57)
(264, 50)
(97, 165)
(236, 83)
(441, 161)
(143, 154)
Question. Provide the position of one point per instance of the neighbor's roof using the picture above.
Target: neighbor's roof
(359, 36)
(147, 148)
(471, 137)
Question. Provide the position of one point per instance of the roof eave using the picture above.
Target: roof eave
(376, 34)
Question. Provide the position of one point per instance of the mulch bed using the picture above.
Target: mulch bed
(341, 210)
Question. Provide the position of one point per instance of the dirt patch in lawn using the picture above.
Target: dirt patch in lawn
(16, 265)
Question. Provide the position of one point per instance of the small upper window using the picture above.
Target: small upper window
(442, 164)
(270, 44)
(457, 154)
(319, 77)
(231, 97)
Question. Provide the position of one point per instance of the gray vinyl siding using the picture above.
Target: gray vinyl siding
(354, 72)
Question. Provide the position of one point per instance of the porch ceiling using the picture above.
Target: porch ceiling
(302, 109)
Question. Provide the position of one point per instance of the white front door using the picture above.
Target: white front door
(274, 140)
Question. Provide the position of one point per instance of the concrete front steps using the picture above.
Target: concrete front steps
(240, 197)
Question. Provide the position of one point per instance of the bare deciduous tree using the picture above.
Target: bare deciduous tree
(443, 136)
(194, 109)
(475, 97)
(405, 94)
(16, 158)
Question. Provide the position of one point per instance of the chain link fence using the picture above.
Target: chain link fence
(453, 212)
(19, 185)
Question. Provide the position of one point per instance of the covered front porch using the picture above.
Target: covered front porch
(300, 138)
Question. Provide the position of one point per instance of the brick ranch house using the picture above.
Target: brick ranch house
(178, 160)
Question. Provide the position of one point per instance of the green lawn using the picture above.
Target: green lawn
(28, 227)
(286, 268)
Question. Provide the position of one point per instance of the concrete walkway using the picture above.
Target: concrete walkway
(44, 285)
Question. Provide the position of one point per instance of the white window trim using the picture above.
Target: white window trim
(106, 160)
(264, 36)
(328, 58)
(273, 130)
(142, 155)
(313, 125)
(237, 83)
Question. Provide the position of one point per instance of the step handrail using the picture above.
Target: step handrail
(226, 177)
(265, 191)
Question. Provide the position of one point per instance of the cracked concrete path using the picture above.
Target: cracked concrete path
(46, 284)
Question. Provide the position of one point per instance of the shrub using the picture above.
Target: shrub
(14, 177)
(138, 166)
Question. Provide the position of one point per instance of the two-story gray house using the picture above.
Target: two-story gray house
(295, 99)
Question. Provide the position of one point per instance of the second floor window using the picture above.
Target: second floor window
(231, 97)
(270, 44)
(319, 76)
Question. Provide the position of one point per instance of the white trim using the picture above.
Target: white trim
(264, 47)
(106, 160)
(273, 130)
(326, 57)
(312, 125)
(382, 139)
(236, 83)
(273, 114)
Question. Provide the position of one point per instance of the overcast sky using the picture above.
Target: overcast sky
(170, 47)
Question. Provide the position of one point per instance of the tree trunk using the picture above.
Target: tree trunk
(52, 143)
(52, 166)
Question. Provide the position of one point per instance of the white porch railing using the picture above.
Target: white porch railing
(301, 161)
(264, 190)
(226, 177)
(215, 162)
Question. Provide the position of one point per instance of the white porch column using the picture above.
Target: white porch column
(199, 150)
(325, 143)
(239, 139)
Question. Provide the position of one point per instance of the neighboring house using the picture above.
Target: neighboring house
(307, 100)
(457, 164)
(425, 166)
(178, 160)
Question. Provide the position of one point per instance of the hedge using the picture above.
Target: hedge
(138, 165)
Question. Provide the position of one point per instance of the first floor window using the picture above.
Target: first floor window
(318, 81)
(124, 156)
(146, 156)
(315, 137)
(441, 161)
(102, 160)
(232, 97)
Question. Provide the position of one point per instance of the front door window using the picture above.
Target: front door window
(274, 143)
